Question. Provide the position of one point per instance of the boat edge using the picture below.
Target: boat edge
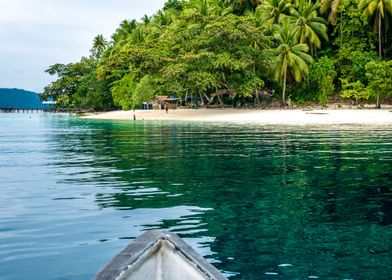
(141, 244)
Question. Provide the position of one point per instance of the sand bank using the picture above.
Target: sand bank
(285, 117)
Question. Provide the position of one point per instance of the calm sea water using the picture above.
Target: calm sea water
(259, 202)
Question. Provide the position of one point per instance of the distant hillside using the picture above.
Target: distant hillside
(19, 99)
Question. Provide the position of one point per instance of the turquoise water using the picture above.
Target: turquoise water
(259, 202)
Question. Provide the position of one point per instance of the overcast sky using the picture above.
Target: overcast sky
(35, 34)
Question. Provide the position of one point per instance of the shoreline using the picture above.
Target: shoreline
(255, 116)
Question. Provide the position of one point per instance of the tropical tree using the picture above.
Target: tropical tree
(379, 75)
(355, 90)
(273, 11)
(332, 6)
(376, 10)
(289, 57)
(241, 7)
(210, 7)
(160, 23)
(308, 26)
(322, 75)
(126, 27)
(99, 45)
(173, 5)
(216, 49)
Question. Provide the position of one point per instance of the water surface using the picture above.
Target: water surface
(259, 202)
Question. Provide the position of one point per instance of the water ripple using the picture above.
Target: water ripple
(257, 201)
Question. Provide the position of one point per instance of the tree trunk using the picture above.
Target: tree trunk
(207, 98)
(379, 51)
(341, 28)
(257, 100)
(220, 100)
(201, 99)
(378, 101)
(284, 85)
(379, 34)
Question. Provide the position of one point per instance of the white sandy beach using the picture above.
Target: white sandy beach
(285, 117)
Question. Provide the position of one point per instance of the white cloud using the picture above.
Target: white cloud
(37, 33)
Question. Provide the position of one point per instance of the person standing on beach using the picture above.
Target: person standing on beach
(167, 108)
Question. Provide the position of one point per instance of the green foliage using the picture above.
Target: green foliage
(309, 27)
(331, 6)
(354, 90)
(379, 76)
(359, 61)
(99, 46)
(225, 49)
(289, 57)
(273, 11)
(77, 86)
(173, 5)
(123, 92)
(323, 74)
(144, 91)
(377, 10)
(69, 78)
(92, 94)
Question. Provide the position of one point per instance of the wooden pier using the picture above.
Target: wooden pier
(45, 110)
(23, 110)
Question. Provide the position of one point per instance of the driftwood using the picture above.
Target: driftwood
(218, 94)
(258, 94)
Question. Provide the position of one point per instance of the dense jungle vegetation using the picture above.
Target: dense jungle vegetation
(237, 52)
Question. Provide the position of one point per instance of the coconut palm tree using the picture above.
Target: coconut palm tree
(290, 57)
(99, 45)
(308, 26)
(245, 5)
(375, 10)
(333, 5)
(126, 28)
(146, 20)
(211, 7)
(273, 11)
(160, 23)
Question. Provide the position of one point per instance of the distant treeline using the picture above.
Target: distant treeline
(19, 99)
(236, 52)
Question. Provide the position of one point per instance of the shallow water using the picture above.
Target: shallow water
(259, 202)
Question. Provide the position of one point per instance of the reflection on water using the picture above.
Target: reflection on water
(260, 202)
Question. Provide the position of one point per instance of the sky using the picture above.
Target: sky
(35, 34)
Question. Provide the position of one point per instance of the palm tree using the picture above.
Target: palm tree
(375, 9)
(246, 5)
(211, 7)
(273, 11)
(160, 23)
(146, 20)
(99, 45)
(126, 28)
(309, 27)
(290, 57)
(332, 16)
(333, 5)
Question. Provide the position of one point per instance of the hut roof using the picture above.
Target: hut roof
(167, 98)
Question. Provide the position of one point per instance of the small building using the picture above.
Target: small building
(49, 102)
(171, 101)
